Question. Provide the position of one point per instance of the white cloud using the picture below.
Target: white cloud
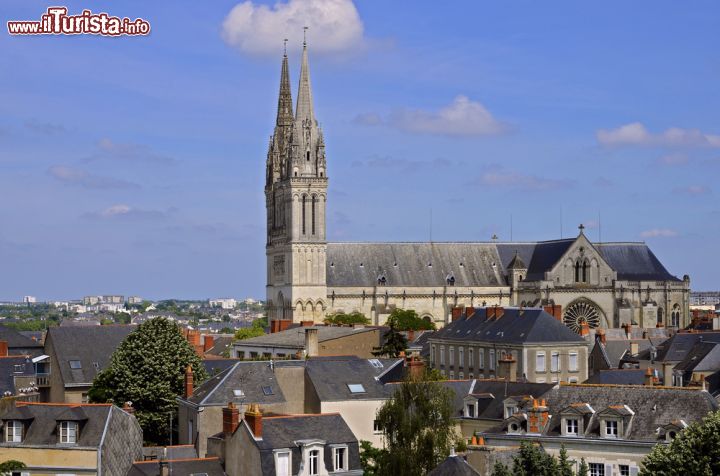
(334, 26)
(463, 117)
(674, 159)
(122, 211)
(692, 190)
(115, 210)
(637, 134)
(83, 178)
(658, 233)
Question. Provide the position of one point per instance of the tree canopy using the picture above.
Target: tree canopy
(533, 460)
(418, 427)
(408, 320)
(343, 319)
(696, 451)
(393, 344)
(148, 369)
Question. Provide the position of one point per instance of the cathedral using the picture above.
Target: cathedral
(605, 285)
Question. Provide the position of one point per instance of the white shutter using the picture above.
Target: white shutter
(633, 470)
(283, 464)
(608, 470)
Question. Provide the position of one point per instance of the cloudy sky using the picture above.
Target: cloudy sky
(136, 165)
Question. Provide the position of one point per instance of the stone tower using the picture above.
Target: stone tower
(295, 194)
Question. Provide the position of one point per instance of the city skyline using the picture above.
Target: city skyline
(136, 165)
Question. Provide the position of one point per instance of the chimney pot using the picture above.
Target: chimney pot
(188, 382)
(3, 348)
(208, 342)
(311, 341)
(253, 417)
(231, 418)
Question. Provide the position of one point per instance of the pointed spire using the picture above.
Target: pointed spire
(304, 109)
(285, 108)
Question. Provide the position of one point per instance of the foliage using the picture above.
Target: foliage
(532, 460)
(148, 369)
(248, 332)
(393, 344)
(342, 319)
(694, 451)
(408, 320)
(583, 470)
(261, 322)
(369, 456)
(565, 465)
(499, 469)
(7, 467)
(418, 427)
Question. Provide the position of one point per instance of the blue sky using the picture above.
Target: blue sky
(136, 165)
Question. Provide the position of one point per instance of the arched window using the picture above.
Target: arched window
(304, 199)
(308, 156)
(577, 271)
(312, 215)
(660, 315)
(585, 271)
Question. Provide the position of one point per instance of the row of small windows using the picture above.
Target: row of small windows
(15, 432)
(540, 359)
(313, 207)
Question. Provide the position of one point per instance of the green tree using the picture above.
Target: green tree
(369, 456)
(694, 451)
(532, 460)
(499, 469)
(248, 332)
(148, 369)
(7, 467)
(342, 319)
(393, 344)
(408, 320)
(418, 427)
(565, 466)
(583, 470)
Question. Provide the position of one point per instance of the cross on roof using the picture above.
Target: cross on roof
(581, 227)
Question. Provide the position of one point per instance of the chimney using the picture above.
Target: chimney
(128, 408)
(634, 348)
(554, 310)
(188, 382)
(302, 323)
(601, 336)
(415, 368)
(208, 342)
(507, 369)
(164, 468)
(253, 417)
(538, 417)
(311, 341)
(667, 374)
(230, 419)
(584, 329)
(469, 312)
(628, 330)
(649, 377)
(456, 313)
(274, 326)
(193, 336)
(3, 348)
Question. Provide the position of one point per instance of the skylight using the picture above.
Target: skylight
(238, 393)
(267, 390)
(356, 388)
(75, 364)
(375, 363)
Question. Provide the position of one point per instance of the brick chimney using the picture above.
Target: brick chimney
(456, 313)
(649, 377)
(304, 323)
(188, 382)
(634, 348)
(128, 408)
(584, 329)
(554, 310)
(311, 341)
(208, 342)
(495, 312)
(507, 369)
(469, 312)
(415, 368)
(538, 417)
(3, 348)
(601, 336)
(253, 417)
(230, 418)
(667, 374)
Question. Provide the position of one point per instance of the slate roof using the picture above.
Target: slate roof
(91, 345)
(483, 263)
(703, 357)
(17, 341)
(43, 420)
(679, 345)
(653, 406)
(248, 376)
(331, 376)
(215, 366)
(492, 408)
(634, 262)
(616, 349)
(185, 467)
(619, 377)
(295, 337)
(11, 367)
(407, 264)
(516, 326)
(286, 431)
(517, 262)
(454, 466)
(170, 452)
(221, 344)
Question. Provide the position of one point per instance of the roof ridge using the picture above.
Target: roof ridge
(300, 415)
(69, 405)
(207, 458)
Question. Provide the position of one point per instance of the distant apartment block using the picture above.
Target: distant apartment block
(134, 300)
(704, 298)
(29, 299)
(224, 303)
(107, 299)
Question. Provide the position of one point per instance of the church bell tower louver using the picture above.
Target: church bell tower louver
(296, 194)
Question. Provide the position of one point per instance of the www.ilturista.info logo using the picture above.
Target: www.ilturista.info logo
(57, 22)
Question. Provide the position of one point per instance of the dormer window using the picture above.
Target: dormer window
(571, 427)
(340, 458)
(313, 462)
(611, 429)
(68, 432)
(13, 431)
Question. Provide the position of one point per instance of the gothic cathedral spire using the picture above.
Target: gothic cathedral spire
(279, 150)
